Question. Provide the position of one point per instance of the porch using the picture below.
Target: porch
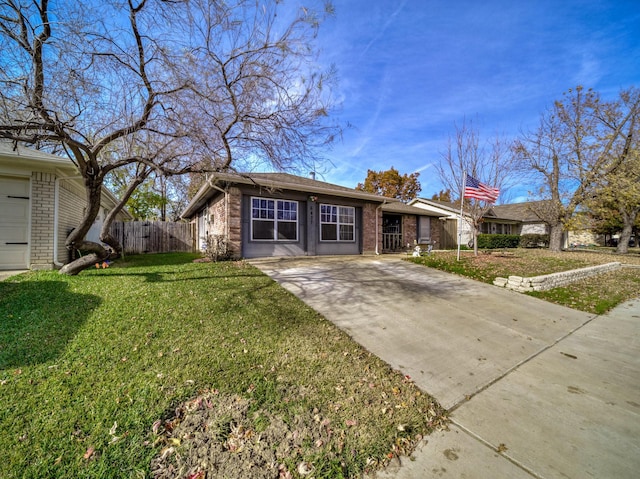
(392, 242)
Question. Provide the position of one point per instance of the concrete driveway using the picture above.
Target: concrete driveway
(534, 389)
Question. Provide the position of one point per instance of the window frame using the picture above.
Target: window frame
(348, 212)
(279, 212)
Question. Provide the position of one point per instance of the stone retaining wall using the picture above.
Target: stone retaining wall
(554, 280)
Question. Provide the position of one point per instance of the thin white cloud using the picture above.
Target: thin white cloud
(384, 28)
(423, 168)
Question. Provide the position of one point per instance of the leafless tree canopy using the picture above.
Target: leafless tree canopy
(175, 86)
(579, 143)
(489, 161)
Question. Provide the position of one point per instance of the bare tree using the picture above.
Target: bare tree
(618, 195)
(175, 87)
(488, 161)
(578, 142)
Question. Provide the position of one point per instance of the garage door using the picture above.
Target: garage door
(14, 222)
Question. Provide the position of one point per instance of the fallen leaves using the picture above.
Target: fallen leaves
(89, 454)
(305, 468)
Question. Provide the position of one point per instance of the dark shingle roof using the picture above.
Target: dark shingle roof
(524, 212)
(279, 181)
(286, 181)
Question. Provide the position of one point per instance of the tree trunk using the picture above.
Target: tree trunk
(97, 254)
(623, 241)
(555, 237)
(628, 218)
(475, 241)
(75, 241)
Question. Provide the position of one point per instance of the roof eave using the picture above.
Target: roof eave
(197, 201)
(206, 189)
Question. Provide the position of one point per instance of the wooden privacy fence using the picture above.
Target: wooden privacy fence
(448, 234)
(154, 236)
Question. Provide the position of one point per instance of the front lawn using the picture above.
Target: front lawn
(597, 294)
(158, 366)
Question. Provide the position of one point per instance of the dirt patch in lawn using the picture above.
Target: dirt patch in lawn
(213, 436)
(217, 436)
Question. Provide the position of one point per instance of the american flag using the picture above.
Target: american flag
(474, 189)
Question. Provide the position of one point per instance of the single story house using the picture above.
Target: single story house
(42, 198)
(513, 219)
(279, 214)
(583, 234)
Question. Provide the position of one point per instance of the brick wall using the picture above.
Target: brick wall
(235, 221)
(584, 237)
(216, 220)
(42, 209)
(369, 239)
(409, 229)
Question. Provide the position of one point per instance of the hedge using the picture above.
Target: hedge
(486, 241)
(498, 241)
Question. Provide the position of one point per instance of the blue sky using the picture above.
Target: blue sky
(409, 70)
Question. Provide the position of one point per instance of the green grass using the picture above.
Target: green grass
(88, 363)
(597, 294)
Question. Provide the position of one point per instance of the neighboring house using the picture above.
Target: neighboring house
(42, 198)
(279, 214)
(582, 233)
(515, 219)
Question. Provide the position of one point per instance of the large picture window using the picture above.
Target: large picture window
(274, 220)
(337, 223)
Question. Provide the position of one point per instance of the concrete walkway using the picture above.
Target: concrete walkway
(534, 389)
(5, 274)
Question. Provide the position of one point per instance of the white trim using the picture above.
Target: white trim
(337, 223)
(275, 220)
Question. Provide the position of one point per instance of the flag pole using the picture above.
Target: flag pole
(464, 184)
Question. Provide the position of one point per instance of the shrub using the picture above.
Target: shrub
(534, 241)
(498, 241)
(217, 248)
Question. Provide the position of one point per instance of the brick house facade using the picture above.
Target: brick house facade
(277, 214)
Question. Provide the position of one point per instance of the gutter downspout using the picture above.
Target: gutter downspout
(56, 216)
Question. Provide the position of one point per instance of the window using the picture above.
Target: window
(274, 220)
(337, 223)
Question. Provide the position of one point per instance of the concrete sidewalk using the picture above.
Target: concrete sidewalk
(534, 389)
